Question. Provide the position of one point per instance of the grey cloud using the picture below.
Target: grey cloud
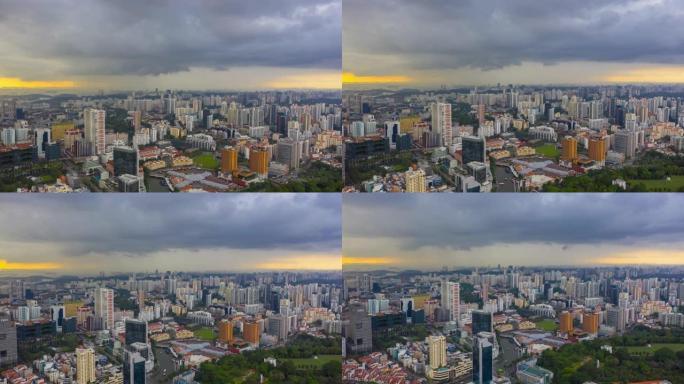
(151, 37)
(136, 225)
(492, 34)
(463, 222)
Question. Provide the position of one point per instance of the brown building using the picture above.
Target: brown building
(569, 149)
(590, 323)
(250, 332)
(229, 160)
(258, 161)
(226, 331)
(566, 323)
(597, 149)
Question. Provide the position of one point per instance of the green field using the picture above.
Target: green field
(206, 160)
(673, 185)
(314, 363)
(547, 325)
(548, 150)
(204, 333)
(645, 350)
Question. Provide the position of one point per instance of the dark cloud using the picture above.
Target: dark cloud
(136, 225)
(492, 34)
(151, 37)
(463, 222)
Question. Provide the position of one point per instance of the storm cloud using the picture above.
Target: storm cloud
(495, 34)
(134, 227)
(43, 39)
(442, 224)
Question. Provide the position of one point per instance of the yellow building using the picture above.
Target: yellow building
(226, 331)
(229, 160)
(85, 366)
(569, 149)
(406, 123)
(437, 351)
(566, 323)
(415, 180)
(59, 129)
(590, 323)
(250, 332)
(71, 308)
(258, 161)
(597, 149)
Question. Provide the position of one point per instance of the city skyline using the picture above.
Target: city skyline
(170, 44)
(238, 233)
(427, 233)
(474, 43)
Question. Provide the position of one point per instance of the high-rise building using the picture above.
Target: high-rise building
(415, 180)
(474, 149)
(104, 307)
(94, 129)
(437, 351)
(85, 365)
(451, 299)
(597, 149)
(136, 331)
(482, 321)
(569, 149)
(125, 161)
(566, 325)
(616, 318)
(134, 368)
(590, 322)
(357, 330)
(226, 331)
(229, 160)
(288, 153)
(251, 332)
(483, 358)
(258, 161)
(441, 122)
(8, 343)
(481, 113)
(625, 143)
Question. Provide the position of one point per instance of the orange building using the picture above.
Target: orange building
(258, 160)
(597, 149)
(229, 160)
(226, 331)
(566, 323)
(569, 149)
(250, 332)
(590, 323)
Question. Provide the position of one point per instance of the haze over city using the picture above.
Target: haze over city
(92, 234)
(217, 45)
(430, 44)
(429, 232)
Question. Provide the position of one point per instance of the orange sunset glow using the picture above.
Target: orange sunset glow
(15, 82)
(351, 78)
(30, 266)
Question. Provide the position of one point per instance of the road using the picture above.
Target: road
(163, 360)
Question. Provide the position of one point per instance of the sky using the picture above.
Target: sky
(136, 233)
(429, 231)
(177, 44)
(485, 42)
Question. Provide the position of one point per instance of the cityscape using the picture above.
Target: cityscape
(507, 101)
(471, 296)
(127, 300)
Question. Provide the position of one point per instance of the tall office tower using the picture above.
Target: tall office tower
(451, 299)
(441, 122)
(437, 351)
(17, 290)
(481, 113)
(482, 321)
(566, 323)
(8, 343)
(57, 314)
(136, 331)
(134, 368)
(483, 367)
(597, 149)
(357, 129)
(631, 124)
(357, 330)
(137, 120)
(288, 153)
(258, 161)
(229, 160)
(625, 143)
(125, 161)
(474, 149)
(392, 131)
(94, 129)
(226, 331)
(590, 323)
(104, 307)
(415, 180)
(569, 149)
(85, 365)
(278, 326)
(251, 332)
(616, 318)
